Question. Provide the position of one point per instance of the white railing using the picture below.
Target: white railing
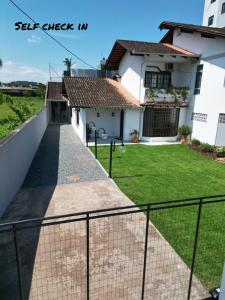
(172, 94)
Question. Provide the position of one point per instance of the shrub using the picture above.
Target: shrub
(207, 148)
(220, 151)
(184, 130)
(195, 142)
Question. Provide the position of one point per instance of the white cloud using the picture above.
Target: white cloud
(66, 36)
(12, 71)
(34, 39)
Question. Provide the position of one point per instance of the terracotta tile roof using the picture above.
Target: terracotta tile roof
(54, 91)
(205, 30)
(140, 48)
(98, 92)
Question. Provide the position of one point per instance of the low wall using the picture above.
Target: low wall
(16, 154)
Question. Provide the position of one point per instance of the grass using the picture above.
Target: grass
(147, 174)
(35, 104)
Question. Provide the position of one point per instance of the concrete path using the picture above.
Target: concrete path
(65, 178)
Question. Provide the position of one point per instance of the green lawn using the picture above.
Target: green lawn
(9, 120)
(147, 174)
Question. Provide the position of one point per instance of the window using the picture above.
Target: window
(211, 20)
(160, 80)
(78, 117)
(221, 118)
(198, 79)
(199, 117)
(212, 1)
(161, 122)
(223, 8)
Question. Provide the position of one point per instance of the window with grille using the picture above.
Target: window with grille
(221, 118)
(198, 80)
(161, 122)
(199, 117)
(223, 8)
(211, 20)
(160, 80)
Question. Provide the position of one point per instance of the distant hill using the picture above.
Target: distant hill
(23, 84)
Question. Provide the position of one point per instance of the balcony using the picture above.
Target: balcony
(172, 96)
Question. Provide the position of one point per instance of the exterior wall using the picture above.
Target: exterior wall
(16, 154)
(105, 120)
(81, 128)
(210, 101)
(214, 9)
(130, 70)
(133, 120)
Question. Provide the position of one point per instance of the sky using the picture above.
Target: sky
(26, 54)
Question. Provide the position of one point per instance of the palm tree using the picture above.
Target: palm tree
(68, 63)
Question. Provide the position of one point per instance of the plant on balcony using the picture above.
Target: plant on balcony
(169, 90)
(184, 131)
(184, 93)
(134, 136)
(150, 93)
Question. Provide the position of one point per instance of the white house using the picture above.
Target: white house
(98, 103)
(159, 86)
(214, 13)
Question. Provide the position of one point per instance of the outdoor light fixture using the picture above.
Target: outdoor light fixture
(215, 293)
(122, 148)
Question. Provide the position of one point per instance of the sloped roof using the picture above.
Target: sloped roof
(205, 30)
(54, 91)
(98, 92)
(141, 48)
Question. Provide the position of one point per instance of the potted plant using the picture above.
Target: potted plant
(134, 136)
(150, 94)
(184, 93)
(184, 131)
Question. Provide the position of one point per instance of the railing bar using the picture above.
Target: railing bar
(113, 209)
(145, 254)
(18, 263)
(88, 255)
(194, 248)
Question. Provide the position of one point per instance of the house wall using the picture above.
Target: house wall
(16, 154)
(133, 120)
(210, 101)
(81, 128)
(105, 120)
(132, 70)
(211, 9)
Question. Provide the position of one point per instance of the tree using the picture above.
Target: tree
(68, 63)
(0, 63)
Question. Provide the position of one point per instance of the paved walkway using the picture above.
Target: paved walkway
(65, 178)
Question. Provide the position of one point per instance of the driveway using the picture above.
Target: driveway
(65, 178)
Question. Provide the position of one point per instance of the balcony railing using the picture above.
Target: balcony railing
(179, 95)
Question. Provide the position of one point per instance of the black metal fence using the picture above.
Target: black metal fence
(118, 253)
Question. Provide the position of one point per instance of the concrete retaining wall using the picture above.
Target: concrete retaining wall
(16, 154)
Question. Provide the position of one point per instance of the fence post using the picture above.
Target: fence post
(110, 159)
(114, 146)
(18, 262)
(145, 253)
(195, 247)
(96, 145)
(88, 255)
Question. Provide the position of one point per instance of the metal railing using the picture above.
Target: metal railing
(110, 253)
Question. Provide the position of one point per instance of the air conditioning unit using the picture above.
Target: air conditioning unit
(170, 67)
